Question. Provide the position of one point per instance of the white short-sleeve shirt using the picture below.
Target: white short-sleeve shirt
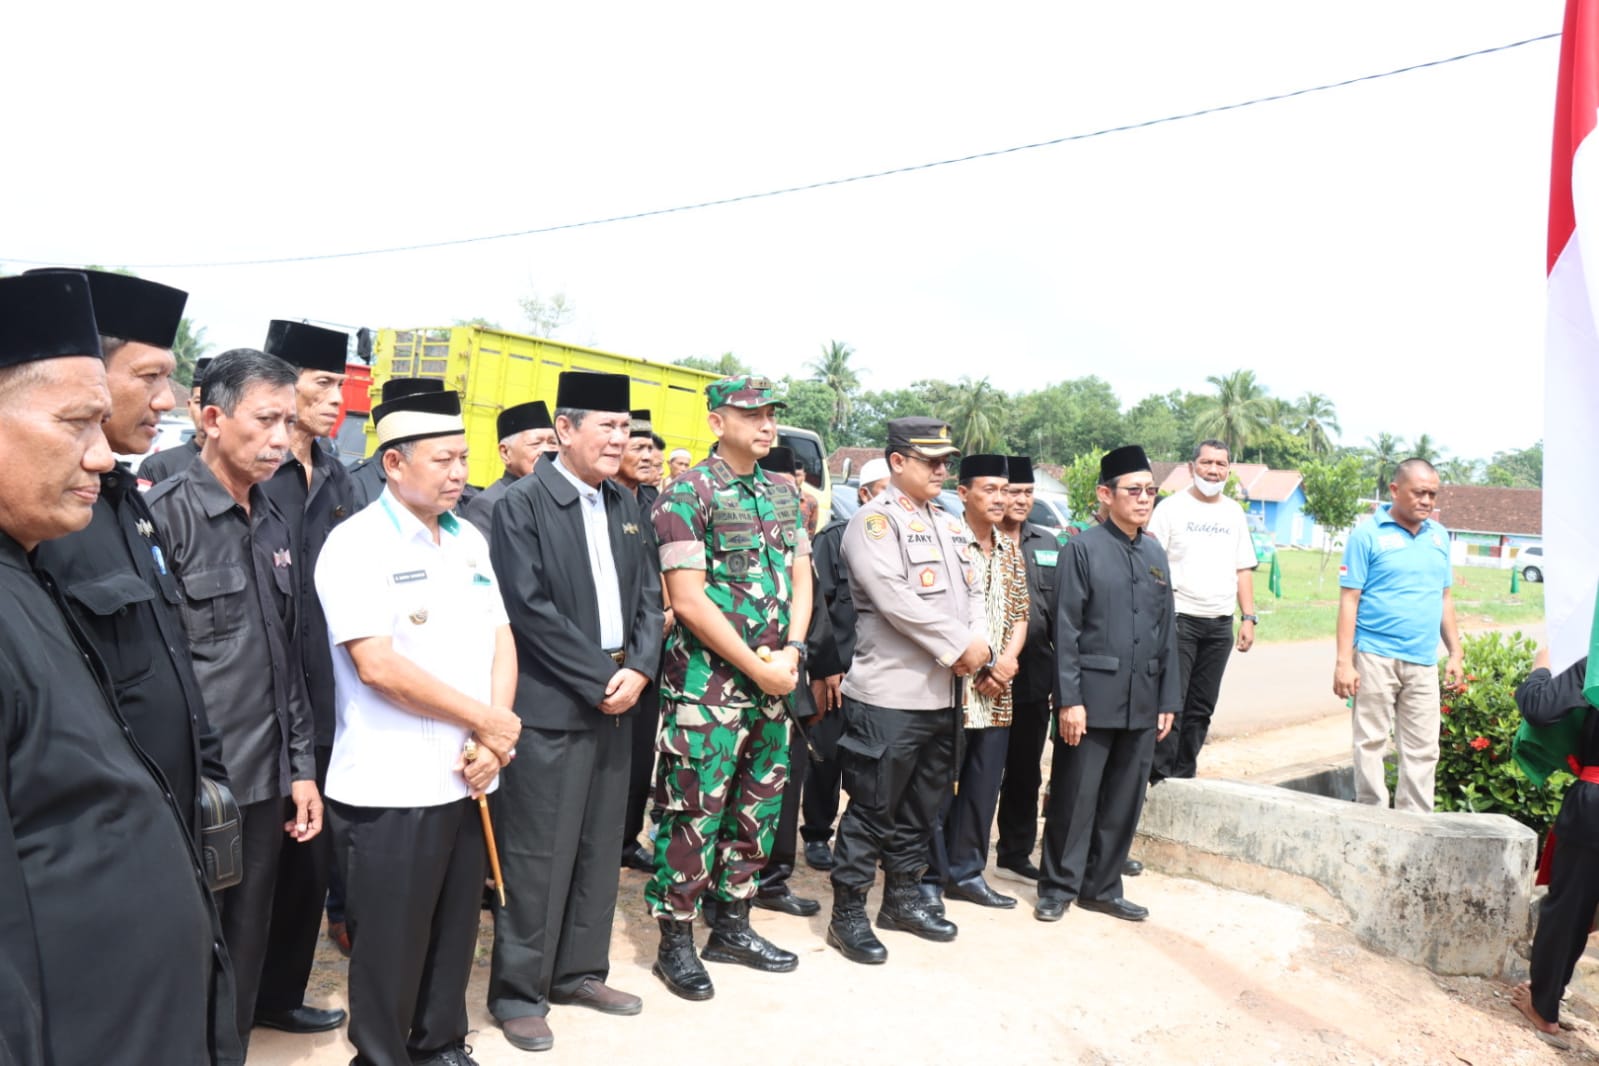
(381, 575)
(1207, 543)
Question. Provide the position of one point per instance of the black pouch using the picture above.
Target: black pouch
(221, 836)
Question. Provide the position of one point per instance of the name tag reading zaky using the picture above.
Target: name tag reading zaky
(405, 577)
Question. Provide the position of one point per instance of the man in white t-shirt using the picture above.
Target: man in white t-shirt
(1206, 538)
(423, 663)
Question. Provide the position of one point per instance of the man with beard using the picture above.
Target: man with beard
(526, 436)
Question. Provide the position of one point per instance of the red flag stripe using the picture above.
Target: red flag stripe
(1576, 104)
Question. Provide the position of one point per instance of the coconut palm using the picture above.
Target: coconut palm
(1383, 452)
(834, 371)
(1318, 423)
(1424, 447)
(189, 346)
(975, 411)
(1238, 414)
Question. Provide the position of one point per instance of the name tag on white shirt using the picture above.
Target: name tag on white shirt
(406, 577)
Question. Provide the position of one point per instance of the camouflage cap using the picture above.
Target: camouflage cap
(748, 391)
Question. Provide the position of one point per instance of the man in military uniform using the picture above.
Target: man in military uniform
(920, 634)
(366, 475)
(107, 932)
(163, 464)
(733, 556)
(312, 490)
(830, 648)
(1119, 690)
(526, 436)
(233, 554)
(1034, 686)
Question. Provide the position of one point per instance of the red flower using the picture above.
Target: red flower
(1480, 743)
(1446, 708)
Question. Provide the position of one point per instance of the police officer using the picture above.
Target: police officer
(366, 475)
(313, 491)
(920, 634)
(1119, 691)
(733, 556)
(526, 436)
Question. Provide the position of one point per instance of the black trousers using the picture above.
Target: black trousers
(1096, 793)
(1567, 912)
(302, 887)
(247, 906)
(1203, 646)
(897, 765)
(1024, 775)
(416, 889)
(959, 845)
(823, 778)
(644, 723)
(558, 816)
(773, 878)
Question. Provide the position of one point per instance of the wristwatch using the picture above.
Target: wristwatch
(1250, 618)
(799, 648)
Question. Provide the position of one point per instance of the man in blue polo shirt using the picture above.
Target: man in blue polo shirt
(1393, 606)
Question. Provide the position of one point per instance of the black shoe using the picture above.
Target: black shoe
(637, 858)
(850, 932)
(977, 891)
(459, 1055)
(786, 902)
(818, 856)
(1117, 908)
(905, 909)
(301, 1019)
(1022, 870)
(1132, 868)
(732, 940)
(676, 964)
(1051, 908)
(932, 898)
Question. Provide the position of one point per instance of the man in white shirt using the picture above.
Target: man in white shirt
(1206, 538)
(423, 665)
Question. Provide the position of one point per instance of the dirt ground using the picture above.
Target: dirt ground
(1213, 976)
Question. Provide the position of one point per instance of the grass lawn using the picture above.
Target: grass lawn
(1308, 609)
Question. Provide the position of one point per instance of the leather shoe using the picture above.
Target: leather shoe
(1023, 871)
(819, 856)
(1126, 910)
(1132, 868)
(528, 1033)
(787, 902)
(976, 891)
(339, 933)
(636, 858)
(932, 898)
(301, 1019)
(1051, 908)
(597, 995)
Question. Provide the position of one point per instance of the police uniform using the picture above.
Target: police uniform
(918, 608)
(1116, 656)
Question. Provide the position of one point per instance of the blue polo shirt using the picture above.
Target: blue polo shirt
(1401, 578)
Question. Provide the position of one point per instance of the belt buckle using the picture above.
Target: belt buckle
(618, 657)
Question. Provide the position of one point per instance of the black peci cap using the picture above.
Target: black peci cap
(523, 416)
(394, 388)
(46, 316)
(1019, 469)
(306, 346)
(639, 425)
(982, 466)
(585, 390)
(1128, 459)
(420, 415)
(133, 309)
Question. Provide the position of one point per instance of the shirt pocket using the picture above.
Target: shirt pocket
(113, 599)
(1108, 663)
(735, 553)
(214, 604)
(928, 572)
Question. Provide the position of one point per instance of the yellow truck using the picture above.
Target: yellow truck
(493, 370)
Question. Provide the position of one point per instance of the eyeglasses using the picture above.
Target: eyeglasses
(1136, 491)
(935, 464)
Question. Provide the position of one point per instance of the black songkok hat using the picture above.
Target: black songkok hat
(927, 437)
(307, 347)
(423, 414)
(395, 388)
(1020, 469)
(640, 425)
(982, 466)
(1128, 459)
(200, 366)
(584, 390)
(513, 420)
(133, 309)
(46, 316)
(780, 460)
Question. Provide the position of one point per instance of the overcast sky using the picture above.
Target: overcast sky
(1382, 243)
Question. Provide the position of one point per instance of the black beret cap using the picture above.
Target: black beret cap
(306, 346)
(46, 316)
(925, 436)
(1128, 459)
(523, 416)
(780, 460)
(1020, 469)
(982, 466)
(394, 388)
(584, 390)
(133, 309)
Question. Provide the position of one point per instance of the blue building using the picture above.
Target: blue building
(1273, 499)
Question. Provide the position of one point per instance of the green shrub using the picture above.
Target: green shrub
(1475, 770)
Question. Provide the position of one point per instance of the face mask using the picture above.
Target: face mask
(1209, 489)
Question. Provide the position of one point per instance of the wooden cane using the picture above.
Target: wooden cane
(469, 752)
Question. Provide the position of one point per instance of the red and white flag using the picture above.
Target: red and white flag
(1571, 345)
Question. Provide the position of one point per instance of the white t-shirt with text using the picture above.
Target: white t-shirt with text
(1207, 543)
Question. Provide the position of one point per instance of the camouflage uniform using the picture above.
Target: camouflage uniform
(723, 742)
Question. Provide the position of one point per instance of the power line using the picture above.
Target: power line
(830, 182)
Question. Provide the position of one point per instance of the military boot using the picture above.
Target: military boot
(850, 932)
(905, 909)
(676, 964)
(732, 940)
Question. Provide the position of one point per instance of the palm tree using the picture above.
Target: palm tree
(1425, 448)
(975, 411)
(1458, 472)
(1238, 414)
(834, 371)
(1383, 450)
(189, 346)
(1317, 417)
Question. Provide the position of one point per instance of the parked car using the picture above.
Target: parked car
(1051, 512)
(1531, 562)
